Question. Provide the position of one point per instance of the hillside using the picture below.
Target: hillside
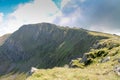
(89, 73)
(3, 38)
(47, 45)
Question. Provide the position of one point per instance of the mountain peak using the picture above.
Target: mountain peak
(39, 25)
(47, 45)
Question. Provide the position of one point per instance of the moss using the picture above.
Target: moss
(76, 63)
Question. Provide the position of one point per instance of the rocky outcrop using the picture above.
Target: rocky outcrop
(33, 70)
(105, 59)
(84, 58)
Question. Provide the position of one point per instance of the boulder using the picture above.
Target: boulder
(84, 58)
(106, 59)
(33, 69)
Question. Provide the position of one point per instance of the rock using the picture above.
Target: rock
(75, 63)
(84, 58)
(117, 70)
(71, 64)
(33, 69)
(105, 59)
(66, 66)
(95, 46)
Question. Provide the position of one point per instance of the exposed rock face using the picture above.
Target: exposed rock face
(46, 45)
(33, 69)
(105, 59)
(84, 58)
(29, 37)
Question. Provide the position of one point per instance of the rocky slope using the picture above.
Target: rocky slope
(47, 45)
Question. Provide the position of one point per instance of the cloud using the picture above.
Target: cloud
(60, 3)
(33, 12)
(36, 11)
(71, 14)
(100, 15)
(70, 19)
(1, 17)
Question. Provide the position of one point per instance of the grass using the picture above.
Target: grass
(97, 71)
(12, 76)
(56, 46)
(93, 72)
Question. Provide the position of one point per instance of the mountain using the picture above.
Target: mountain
(46, 45)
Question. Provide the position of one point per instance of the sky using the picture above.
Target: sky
(96, 15)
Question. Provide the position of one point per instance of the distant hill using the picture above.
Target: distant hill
(3, 38)
(46, 45)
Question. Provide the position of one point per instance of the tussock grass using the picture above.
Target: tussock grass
(94, 72)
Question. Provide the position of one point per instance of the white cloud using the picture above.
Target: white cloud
(46, 11)
(70, 19)
(34, 12)
(1, 17)
(64, 2)
(85, 16)
(105, 29)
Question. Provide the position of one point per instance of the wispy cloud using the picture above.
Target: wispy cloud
(100, 15)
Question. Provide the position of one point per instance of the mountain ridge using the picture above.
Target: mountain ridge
(46, 45)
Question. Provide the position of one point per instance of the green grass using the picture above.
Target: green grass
(95, 71)
(48, 46)
(103, 72)
(14, 76)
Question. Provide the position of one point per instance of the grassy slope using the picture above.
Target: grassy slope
(47, 45)
(75, 44)
(94, 71)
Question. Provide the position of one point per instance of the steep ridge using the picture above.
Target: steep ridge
(45, 45)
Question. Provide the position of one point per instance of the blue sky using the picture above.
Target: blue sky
(58, 3)
(8, 6)
(97, 15)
